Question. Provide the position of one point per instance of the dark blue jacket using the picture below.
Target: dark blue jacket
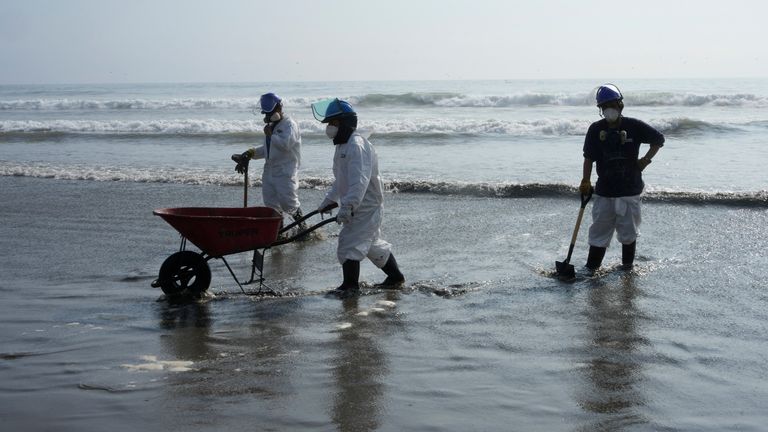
(615, 151)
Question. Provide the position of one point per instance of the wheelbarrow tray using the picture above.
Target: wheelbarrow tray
(220, 231)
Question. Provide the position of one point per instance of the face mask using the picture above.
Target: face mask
(331, 131)
(611, 114)
(275, 117)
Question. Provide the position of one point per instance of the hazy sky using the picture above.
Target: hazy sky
(95, 41)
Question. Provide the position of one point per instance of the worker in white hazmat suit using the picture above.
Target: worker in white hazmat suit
(358, 191)
(282, 157)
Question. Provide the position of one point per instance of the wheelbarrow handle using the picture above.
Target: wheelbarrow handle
(303, 233)
(307, 216)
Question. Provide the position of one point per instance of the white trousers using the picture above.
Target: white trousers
(621, 214)
(280, 193)
(361, 238)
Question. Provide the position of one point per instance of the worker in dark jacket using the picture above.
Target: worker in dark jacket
(613, 143)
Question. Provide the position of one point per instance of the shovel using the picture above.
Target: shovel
(238, 159)
(565, 268)
(245, 188)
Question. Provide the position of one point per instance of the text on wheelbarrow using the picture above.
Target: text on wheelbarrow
(244, 232)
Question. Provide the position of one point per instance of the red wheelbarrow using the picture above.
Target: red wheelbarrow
(220, 231)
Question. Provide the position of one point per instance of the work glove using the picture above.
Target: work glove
(242, 161)
(643, 162)
(585, 187)
(326, 206)
(344, 215)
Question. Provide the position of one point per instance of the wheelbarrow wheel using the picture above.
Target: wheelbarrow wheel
(184, 270)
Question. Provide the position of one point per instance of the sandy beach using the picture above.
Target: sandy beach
(480, 338)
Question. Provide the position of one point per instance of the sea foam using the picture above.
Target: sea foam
(373, 100)
(395, 129)
(431, 187)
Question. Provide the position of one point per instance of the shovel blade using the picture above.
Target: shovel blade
(565, 269)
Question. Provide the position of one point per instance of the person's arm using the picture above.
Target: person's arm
(283, 135)
(651, 152)
(332, 196)
(586, 182)
(360, 166)
(258, 152)
(587, 169)
(647, 159)
(656, 140)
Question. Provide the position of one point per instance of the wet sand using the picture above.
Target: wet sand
(481, 338)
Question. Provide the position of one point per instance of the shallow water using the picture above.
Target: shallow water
(481, 337)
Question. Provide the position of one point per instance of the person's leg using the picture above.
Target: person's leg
(601, 230)
(269, 194)
(382, 257)
(627, 230)
(351, 272)
(394, 276)
(350, 254)
(628, 255)
(288, 193)
(290, 201)
(380, 254)
(595, 257)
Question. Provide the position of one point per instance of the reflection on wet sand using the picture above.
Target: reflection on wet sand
(247, 362)
(230, 358)
(189, 324)
(613, 371)
(359, 374)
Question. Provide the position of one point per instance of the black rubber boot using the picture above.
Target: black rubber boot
(394, 276)
(628, 255)
(595, 257)
(351, 270)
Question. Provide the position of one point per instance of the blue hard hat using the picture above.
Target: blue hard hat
(607, 93)
(269, 102)
(327, 109)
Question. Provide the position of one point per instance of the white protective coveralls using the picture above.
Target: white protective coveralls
(357, 184)
(280, 181)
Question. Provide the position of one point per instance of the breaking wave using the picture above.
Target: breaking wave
(247, 104)
(560, 190)
(412, 128)
(136, 127)
(433, 127)
(413, 99)
(477, 101)
(694, 100)
(557, 99)
(127, 104)
(684, 126)
(448, 188)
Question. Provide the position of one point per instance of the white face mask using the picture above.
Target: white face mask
(611, 114)
(275, 117)
(331, 131)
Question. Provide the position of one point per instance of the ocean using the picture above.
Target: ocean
(482, 199)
